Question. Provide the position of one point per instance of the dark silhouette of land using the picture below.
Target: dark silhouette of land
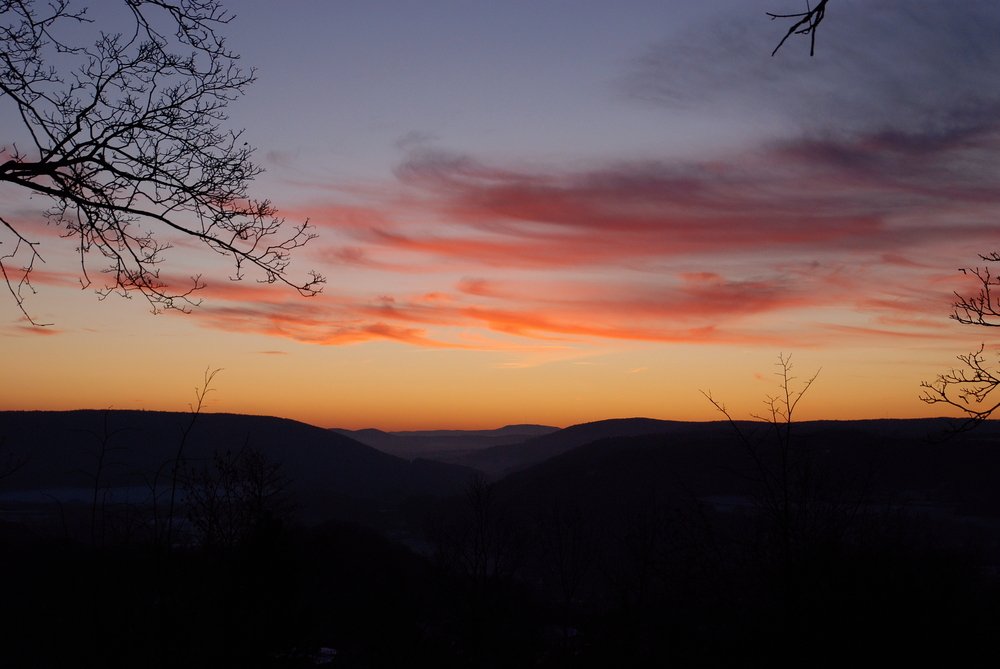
(629, 542)
(333, 476)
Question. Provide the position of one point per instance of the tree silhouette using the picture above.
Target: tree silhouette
(970, 387)
(125, 136)
(236, 497)
(778, 468)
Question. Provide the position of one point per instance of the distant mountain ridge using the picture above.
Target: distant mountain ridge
(505, 431)
(501, 459)
(443, 445)
(505, 450)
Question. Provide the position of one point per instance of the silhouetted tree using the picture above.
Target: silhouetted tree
(10, 464)
(238, 496)
(484, 543)
(164, 526)
(124, 133)
(637, 571)
(777, 468)
(805, 505)
(103, 462)
(970, 387)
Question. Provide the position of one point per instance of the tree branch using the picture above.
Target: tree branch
(133, 137)
(806, 24)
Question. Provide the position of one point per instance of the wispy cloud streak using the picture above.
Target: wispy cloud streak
(885, 178)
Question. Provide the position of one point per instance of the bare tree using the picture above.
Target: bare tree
(235, 497)
(806, 503)
(12, 463)
(125, 135)
(164, 527)
(480, 551)
(484, 543)
(103, 462)
(777, 467)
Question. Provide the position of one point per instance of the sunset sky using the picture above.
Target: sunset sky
(557, 212)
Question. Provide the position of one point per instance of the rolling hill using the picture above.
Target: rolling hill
(62, 450)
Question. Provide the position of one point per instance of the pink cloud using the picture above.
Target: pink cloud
(753, 248)
(870, 193)
(695, 307)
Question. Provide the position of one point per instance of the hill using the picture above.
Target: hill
(902, 461)
(62, 450)
(501, 460)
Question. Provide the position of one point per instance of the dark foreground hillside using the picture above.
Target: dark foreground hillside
(685, 547)
(692, 546)
(69, 455)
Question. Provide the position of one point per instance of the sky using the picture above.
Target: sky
(558, 212)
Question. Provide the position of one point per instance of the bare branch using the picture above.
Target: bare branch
(984, 307)
(129, 140)
(970, 387)
(806, 23)
(17, 288)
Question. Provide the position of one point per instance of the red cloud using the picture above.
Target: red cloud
(875, 193)
(699, 307)
(729, 251)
